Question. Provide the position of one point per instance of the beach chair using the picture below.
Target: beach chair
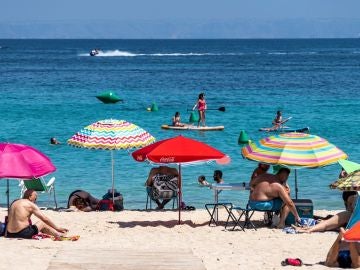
(355, 216)
(149, 198)
(39, 184)
(247, 212)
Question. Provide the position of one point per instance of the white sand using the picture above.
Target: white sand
(158, 230)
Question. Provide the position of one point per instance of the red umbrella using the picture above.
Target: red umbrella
(179, 150)
(19, 161)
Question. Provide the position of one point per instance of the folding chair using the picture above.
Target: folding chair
(248, 212)
(149, 198)
(38, 184)
(213, 208)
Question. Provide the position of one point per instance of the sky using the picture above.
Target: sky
(47, 10)
(72, 18)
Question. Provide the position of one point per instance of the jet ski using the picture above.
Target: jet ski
(94, 52)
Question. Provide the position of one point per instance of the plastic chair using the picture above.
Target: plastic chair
(38, 184)
(149, 198)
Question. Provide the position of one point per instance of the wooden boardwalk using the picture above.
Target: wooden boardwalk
(124, 259)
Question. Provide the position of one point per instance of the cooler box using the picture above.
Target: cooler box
(305, 209)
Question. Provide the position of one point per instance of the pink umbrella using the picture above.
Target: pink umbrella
(19, 161)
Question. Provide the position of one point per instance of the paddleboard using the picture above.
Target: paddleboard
(286, 129)
(192, 127)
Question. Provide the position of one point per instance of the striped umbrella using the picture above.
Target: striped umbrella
(293, 150)
(350, 182)
(111, 134)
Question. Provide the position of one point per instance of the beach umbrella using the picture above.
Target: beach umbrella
(349, 166)
(293, 150)
(111, 134)
(350, 182)
(179, 150)
(353, 234)
(20, 161)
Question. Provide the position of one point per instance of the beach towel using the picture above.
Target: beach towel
(164, 187)
(40, 236)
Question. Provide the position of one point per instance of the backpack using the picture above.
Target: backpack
(107, 204)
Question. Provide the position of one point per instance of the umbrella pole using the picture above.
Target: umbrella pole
(296, 186)
(180, 195)
(112, 174)
(7, 194)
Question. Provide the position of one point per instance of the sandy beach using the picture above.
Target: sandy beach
(156, 233)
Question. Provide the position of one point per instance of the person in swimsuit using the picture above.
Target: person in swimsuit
(336, 221)
(176, 120)
(83, 201)
(164, 175)
(278, 119)
(343, 254)
(201, 106)
(19, 221)
(267, 190)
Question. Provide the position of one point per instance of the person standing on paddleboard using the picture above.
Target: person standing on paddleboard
(201, 106)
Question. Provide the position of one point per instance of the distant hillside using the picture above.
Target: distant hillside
(247, 28)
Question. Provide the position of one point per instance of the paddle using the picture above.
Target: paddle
(221, 109)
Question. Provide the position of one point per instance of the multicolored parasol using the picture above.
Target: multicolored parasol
(350, 182)
(111, 134)
(296, 150)
(293, 150)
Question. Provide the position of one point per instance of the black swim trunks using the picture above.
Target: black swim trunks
(26, 233)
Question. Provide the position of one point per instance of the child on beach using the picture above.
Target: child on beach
(201, 106)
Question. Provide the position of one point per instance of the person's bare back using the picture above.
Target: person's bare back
(19, 215)
(266, 190)
(19, 223)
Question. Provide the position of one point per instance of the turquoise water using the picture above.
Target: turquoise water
(48, 89)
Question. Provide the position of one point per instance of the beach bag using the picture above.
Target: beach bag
(164, 186)
(118, 203)
(105, 205)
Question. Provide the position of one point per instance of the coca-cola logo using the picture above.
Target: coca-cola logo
(167, 159)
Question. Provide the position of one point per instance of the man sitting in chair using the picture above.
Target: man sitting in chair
(19, 222)
(162, 183)
(268, 193)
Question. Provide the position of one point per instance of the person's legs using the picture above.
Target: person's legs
(203, 118)
(199, 118)
(42, 227)
(332, 256)
(284, 212)
(164, 202)
(354, 254)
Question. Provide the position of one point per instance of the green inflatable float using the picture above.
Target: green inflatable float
(108, 97)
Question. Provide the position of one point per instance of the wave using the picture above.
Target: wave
(118, 53)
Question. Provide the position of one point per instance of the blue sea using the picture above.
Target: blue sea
(48, 89)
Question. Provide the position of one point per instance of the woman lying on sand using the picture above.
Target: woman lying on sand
(336, 221)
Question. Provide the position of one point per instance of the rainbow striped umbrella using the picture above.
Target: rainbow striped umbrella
(111, 134)
(293, 150)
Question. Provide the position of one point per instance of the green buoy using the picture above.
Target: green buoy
(108, 97)
(243, 138)
(194, 117)
(154, 107)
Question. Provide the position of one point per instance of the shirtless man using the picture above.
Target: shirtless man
(267, 193)
(19, 222)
